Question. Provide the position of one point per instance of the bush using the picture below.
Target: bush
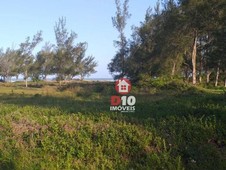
(85, 93)
(99, 88)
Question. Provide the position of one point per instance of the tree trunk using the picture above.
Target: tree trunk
(173, 69)
(45, 78)
(217, 76)
(194, 51)
(81, 77)
(200, 79)
(225, 83)
(208, 73)
(26, 82)
(200, 70)
(25, 78)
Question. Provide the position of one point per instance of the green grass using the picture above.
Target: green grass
(71, 127)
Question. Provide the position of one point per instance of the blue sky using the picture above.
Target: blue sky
(90, 19)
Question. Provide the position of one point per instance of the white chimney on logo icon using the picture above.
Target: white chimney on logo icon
(123, 86)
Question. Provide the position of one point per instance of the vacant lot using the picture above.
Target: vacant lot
(46, 126)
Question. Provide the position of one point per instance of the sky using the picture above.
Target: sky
(89, 19)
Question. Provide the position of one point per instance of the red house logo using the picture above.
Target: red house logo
(123, 86)
(124, 103)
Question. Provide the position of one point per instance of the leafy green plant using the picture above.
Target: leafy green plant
(168, 131)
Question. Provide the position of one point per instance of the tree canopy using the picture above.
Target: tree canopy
(183, 39)
(65, 59)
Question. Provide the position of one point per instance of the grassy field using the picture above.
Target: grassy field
(174, 127)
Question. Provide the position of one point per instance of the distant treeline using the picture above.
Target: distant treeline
(183, 38)
(65, 59)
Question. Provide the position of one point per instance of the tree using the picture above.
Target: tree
(25, 57)
(43, 64)
(117, 64)
(63, 58)
(158, 44)
(88, 65)
(200, 19)
(171, 43)
(69, 59)
(7, 64)
(179, 40)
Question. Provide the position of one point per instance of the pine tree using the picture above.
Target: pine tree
(117, 64)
